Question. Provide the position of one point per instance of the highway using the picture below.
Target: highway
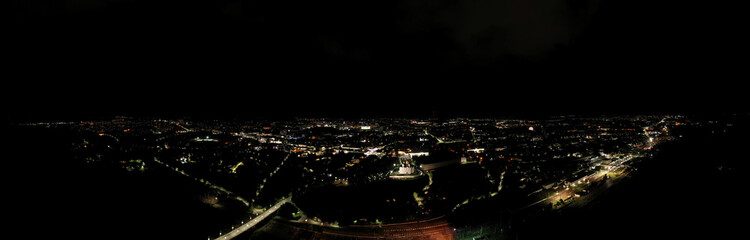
(584, 182)
(437, 228)
(250, 224)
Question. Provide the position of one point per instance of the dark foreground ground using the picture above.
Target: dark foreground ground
(54, 196)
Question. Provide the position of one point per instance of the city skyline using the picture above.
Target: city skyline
(387, 119)
(393, 178)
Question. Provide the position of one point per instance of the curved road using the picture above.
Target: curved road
(250, 224)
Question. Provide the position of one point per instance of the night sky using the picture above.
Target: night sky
(235, 58)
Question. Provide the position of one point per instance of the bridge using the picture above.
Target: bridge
(250, 224)
(254, 221)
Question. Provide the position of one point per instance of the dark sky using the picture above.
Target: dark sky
(237, 58)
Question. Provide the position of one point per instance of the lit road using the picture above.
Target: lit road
(436, 138)
(436, 228)
(250, 224)
(260, 187)
(584, 182)
(207, 183)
